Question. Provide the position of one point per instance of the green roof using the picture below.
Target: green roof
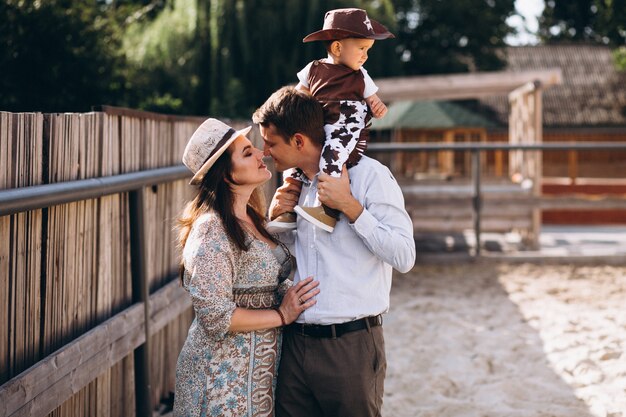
(429, 115)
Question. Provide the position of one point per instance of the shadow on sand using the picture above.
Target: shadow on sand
(458, 346)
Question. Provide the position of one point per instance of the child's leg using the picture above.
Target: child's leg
(286, 221)
(295, 173)
(342, 141)
(342, 138)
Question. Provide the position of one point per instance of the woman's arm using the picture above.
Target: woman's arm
(210, 263)
(245, 320)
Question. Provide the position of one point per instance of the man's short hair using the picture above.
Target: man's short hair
(292, 111)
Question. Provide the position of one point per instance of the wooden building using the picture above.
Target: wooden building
(588, 105)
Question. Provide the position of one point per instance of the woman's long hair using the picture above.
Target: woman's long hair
(215, 194)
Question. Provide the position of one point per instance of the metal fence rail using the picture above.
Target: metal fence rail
(40, 196)
(476, 148)
(18, 200)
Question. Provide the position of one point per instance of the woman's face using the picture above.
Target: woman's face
(247, 163)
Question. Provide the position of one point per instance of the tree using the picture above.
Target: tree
(596, 21)
(57, 55)
(218, 57)
(438, 36)
(234, 53)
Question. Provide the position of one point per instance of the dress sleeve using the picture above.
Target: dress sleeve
(209, 273)
(370, 87)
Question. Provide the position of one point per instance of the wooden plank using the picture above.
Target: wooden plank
(55, 378)
(499, 163)
(445, 211)
(545, 202)
(36, 380)
(461, 86)
(5, 224)
(572, 165)
(487, 225)
(5, 142)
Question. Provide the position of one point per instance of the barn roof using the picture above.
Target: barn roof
(593, 92)
(429, 115)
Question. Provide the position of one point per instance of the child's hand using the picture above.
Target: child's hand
(377, 107)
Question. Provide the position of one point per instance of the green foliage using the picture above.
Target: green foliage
(57, 55)
(438, 36)
(217, 57)
(619, 58)
(597, 21)
(160, 53)
(224, 57)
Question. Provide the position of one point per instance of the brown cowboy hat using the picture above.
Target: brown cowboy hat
(349, 23)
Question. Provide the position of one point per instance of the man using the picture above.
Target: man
(333, 359)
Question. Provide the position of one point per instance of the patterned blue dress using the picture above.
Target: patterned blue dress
(221, 373)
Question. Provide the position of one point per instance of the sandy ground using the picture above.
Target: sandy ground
(491, 339)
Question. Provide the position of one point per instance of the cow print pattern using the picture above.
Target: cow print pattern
(343, 136)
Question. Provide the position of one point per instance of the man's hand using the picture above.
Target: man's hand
(285, 198)
(335, 193)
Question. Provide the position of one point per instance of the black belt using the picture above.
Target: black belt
(335, 330)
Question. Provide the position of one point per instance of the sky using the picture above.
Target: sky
(530, 9)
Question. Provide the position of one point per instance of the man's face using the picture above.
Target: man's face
(285, 155)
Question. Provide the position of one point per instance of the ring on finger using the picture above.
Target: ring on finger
(300, 300)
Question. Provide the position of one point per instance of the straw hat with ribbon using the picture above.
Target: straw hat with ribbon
(207, 144)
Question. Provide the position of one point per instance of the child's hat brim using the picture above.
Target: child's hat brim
(349, 23)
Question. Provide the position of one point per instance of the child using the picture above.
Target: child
(346, 91)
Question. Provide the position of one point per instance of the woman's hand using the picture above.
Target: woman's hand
(298, 298)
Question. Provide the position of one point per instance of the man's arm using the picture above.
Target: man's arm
(381, 221)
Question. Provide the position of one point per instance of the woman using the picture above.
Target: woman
(233, 269)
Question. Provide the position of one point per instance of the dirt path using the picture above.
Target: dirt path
(507, 340)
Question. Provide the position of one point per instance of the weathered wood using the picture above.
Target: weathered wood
(457, 225)
(461, 86)
(443, 202)
(45, 386)
(442, 210)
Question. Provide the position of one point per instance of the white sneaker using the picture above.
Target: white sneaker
(317, 215)
(282, 223)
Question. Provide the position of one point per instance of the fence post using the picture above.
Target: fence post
(476, 199)
(141, 293)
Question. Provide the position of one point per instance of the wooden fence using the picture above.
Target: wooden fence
(78, 317)
(72, 318)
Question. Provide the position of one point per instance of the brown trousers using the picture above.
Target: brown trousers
(332, 377)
